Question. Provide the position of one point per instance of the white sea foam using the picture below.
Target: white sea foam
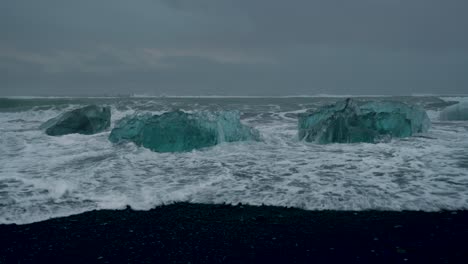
(43, 177)
(260, 96)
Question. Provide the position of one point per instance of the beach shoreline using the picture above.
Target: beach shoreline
(202, 233)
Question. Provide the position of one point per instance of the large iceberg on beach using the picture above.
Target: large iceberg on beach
(87, 120)
(348, 122)
(457, 112)
(178, 131)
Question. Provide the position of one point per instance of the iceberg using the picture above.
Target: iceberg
(178, 131)
(347, 122)
(87, 120)
(457, 112)
(417, 116)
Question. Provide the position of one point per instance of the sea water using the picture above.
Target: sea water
(43, 177)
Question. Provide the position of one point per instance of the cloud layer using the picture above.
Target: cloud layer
(233, 47)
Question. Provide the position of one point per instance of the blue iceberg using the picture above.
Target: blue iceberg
(457, 112)
(178, 131)
(415, 115)
(87, 120)
(348, 122)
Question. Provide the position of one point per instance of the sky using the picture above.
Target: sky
(233, 47)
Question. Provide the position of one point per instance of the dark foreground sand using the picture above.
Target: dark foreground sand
(198, 233)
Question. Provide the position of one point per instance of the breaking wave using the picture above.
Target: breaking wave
(42, 177)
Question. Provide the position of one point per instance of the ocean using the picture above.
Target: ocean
(43, 177)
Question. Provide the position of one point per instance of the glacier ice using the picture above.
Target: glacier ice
(417, 116)
(87, 120)
(178, 131)
(455, 112)
(348, 122)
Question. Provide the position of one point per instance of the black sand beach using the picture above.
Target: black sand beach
(198, 233)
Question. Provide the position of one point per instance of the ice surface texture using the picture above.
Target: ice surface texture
(455, 112)
(347, 122)
(87, 120)
(178, 131)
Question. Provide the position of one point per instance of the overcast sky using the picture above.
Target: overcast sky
(233, 47)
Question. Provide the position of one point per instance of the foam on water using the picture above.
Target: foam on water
(43, 177)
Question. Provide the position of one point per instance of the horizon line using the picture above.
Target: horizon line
(225, 96)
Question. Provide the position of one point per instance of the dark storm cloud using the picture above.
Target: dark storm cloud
(395, 24)
(257, 47)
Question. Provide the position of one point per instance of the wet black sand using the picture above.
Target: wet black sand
(199, 233)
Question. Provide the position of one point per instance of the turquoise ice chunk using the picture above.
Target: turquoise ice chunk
(87, 120)
(178, 131)
(457, 112)
(347, 122)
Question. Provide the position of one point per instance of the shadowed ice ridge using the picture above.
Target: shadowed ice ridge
(88, 120)
(347, 122)
(178, 131)
(457, 112)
